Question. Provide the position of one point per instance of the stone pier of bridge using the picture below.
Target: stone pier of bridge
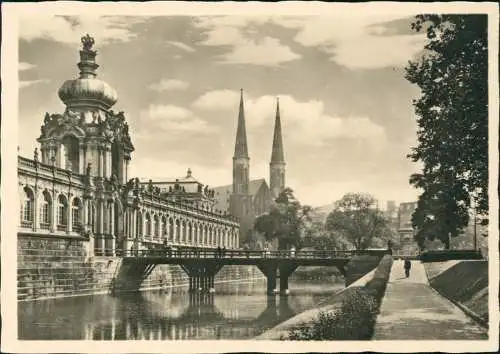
(202, 275)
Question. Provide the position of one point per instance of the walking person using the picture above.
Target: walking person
(407, 266)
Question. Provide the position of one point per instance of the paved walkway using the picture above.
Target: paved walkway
(412, 310)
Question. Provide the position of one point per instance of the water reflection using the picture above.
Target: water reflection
(237, 311)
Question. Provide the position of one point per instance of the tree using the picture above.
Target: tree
(318, 237)
(357, 219)
(452, 118)
(285, 220)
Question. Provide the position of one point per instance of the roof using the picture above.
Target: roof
(185, 179)
(241, 146)
(277, 155)
(222, 193)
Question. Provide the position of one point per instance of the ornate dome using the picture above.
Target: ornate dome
(87, 90)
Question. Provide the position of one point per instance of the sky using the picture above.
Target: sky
(346, 108)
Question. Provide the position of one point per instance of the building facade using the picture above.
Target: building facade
(245, 198)
(404, 224)
(78, 184)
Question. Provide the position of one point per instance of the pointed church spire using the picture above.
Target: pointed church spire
(277, 155)
(241, 147)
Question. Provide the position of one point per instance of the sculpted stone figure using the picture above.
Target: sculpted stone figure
(114, 181)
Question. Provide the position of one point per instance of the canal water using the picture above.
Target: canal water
(237, 310)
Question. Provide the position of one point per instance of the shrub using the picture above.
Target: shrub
(376, 286)
(355, 319)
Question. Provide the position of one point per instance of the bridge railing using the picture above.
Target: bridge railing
(228, 254)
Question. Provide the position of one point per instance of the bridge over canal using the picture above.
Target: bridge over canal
(202, 266)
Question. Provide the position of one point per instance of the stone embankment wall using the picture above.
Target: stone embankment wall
(464, 283)
(50, 267)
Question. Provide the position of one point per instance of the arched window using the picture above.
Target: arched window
(171, 229)
(148, 225)
(91, 217)
(177, 230)
(210, 240)
(184, 231)
(27, 208)
(45, 211)
(76, 215)
(138, 224)
(164, 227)
(157, 226)
(70, 154)
(190, 233)
(62, 213)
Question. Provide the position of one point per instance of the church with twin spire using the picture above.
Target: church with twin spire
(245, 198)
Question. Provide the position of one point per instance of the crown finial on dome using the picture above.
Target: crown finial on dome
(87, 62)
(87, 90)
(88, 42)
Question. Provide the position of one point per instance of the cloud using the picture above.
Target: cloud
(217, 100)
(27, 83)
(357, 42)
(231, 32)
(267, 52)
(182, 46)
(158, 119)
(69, 29)
(377, 52)
(171, 84)
(304, 122)
(25, 66)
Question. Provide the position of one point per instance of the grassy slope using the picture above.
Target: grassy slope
(465, 282)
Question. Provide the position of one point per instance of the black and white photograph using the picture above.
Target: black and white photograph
(273, 180)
